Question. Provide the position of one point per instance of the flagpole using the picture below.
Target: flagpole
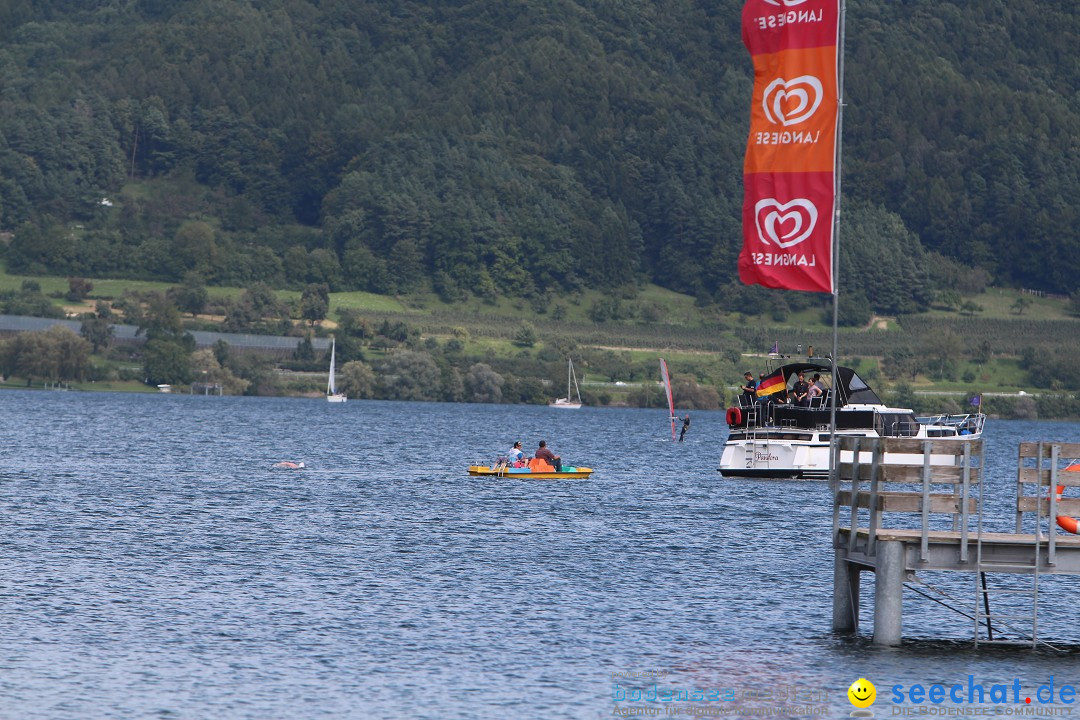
(833, 464)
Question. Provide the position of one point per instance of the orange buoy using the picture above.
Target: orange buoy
(1066, 523)
(734, 416)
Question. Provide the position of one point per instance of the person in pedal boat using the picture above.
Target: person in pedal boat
(516, 456)
(544, 453)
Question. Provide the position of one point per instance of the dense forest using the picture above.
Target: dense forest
(487, 147)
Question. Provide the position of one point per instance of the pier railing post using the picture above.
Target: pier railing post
(875, 515)
(888, 593)
(845, 614)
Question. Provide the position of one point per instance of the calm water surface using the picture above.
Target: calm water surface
(152, 564)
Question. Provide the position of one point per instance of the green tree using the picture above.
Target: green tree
(970, 307)
(78, 289)
(305, 350)
(1021, 304)
(409, 375)
(525, 336)
(205, 368)
(195, 246)
(166, 362)
(483, 385)
(356, 379)
(192, 296)
(315, 302)
(97, 330)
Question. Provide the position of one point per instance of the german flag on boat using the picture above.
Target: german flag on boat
(772, 384)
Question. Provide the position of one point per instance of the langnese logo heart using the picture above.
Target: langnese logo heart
(786, 3)
(790, 102)
(785, 224)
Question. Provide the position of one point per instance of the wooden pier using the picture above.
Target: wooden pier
(916, 505)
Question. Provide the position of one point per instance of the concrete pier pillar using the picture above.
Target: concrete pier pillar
(888, 593)
(845, 604)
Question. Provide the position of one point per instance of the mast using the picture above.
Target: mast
(833, 474)
(569, 376)
(330, 389)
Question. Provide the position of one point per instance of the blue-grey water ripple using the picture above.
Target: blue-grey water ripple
(154, 564)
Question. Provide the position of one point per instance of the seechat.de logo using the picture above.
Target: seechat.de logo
(862, 695)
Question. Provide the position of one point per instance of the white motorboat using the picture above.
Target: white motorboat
(769, 437)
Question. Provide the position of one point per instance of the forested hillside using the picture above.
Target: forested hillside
(508, 147)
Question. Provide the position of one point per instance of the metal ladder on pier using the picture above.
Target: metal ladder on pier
(1018, 622)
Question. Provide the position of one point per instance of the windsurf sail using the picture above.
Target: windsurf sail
(667, 389)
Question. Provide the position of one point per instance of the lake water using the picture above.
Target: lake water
(153, 564)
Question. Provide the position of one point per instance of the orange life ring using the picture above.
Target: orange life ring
(1066, 523)
(734, 416)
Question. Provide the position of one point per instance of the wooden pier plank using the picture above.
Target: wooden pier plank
(909, 446)
(1033, 476)
(1065, 506)
(941, 474)
(1065, 450)
(910, 502)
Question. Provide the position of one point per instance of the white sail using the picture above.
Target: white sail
(332, 395)
(667, 389)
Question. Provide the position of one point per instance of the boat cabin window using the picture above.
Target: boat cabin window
(897, 424)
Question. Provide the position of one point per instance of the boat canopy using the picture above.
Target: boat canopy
(853, 389)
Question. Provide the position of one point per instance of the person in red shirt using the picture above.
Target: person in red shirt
(544, 453)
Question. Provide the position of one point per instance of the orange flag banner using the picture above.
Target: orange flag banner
(790, 166)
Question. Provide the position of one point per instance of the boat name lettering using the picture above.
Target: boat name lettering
(787, 138)
(791, 17)
(784, 259)
(766, 457)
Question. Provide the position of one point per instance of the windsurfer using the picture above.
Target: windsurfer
(685, 426)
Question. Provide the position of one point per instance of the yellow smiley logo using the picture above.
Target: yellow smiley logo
(862, 693)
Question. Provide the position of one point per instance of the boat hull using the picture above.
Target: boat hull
(580, 473)
(801, 459)
(336, 398)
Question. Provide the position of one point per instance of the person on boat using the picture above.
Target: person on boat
(749, 388)
(544, 453)
(815, 389)
(685, 426)
(516, 457)
(800, 391)
(289, 465)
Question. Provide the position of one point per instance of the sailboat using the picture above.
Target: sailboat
(332, 395)
(566, 403)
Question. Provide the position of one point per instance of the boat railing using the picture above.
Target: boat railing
(949, 425)
(899, 428)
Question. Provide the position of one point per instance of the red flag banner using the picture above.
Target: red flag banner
(790, 166)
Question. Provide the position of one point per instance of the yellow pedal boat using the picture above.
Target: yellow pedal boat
(567, 473)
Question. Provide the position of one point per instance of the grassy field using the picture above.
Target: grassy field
(712, 345)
